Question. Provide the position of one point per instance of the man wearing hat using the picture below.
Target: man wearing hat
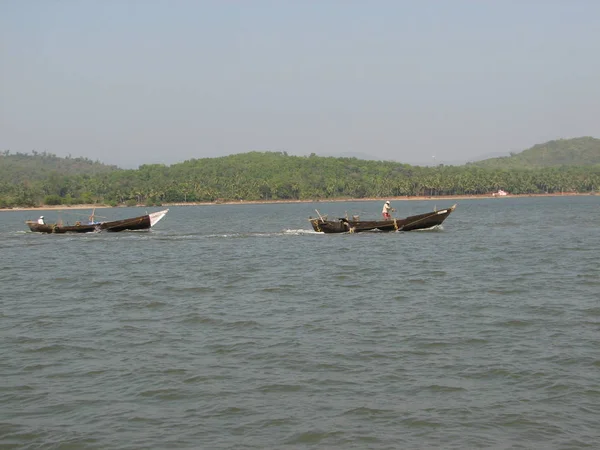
(41, 220)
(386, 210)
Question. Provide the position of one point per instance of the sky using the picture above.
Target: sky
(132, 82)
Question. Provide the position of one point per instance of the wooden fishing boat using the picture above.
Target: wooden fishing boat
(144, 222)
(355, 225)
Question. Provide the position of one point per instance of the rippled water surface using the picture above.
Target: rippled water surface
(236, 326)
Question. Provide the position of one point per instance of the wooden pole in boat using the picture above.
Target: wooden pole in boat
(320, 216)
(91, 219)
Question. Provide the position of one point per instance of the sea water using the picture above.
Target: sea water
(237, 326)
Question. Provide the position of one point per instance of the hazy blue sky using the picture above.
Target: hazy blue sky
(160, 81)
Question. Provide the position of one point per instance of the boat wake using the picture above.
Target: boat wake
(241, 235)
(433, 228)
(300, 232)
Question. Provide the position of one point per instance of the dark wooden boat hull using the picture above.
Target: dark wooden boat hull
(411, 223)
(144, 222)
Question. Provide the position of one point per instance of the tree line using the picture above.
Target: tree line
(264, 176)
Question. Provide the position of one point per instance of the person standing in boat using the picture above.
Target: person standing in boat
(386, 210)
(41, 220)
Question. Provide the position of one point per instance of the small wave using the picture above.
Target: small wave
(491, 373)
(521, 421)
(26, 339)
(311, 437)
(442, 388)
(438, 344)
(23, 387)
(545, 310)
(100, 284)
(367, 412)
(590, 282)
(281, 387)
(328, 366)
(164, 394)
(191, 289)
(62, 279)
(575, 249)
(557, 387)
(282, 288)
(476, 341)
(62, 375)
(514, 323)
(196, 318)
(282, 421)
(595, 311)
(592, 392)
(421, 423)
(36, 367)
(243, 324)
(53, 348)
(201, 379)
(507, 224)
(373, 355)
(144, 420)
(174, 371)
(222, 349)
(229, 411)
(438, 273)
(506, 291)
(95, 372)
(343, 276)
(153, 304)
(44, 322)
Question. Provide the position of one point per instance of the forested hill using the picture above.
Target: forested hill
(583, 151)
(19, 167)
(265, 176)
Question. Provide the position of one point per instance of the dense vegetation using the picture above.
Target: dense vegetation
(18, 167)
(28, 180)
(583, 151)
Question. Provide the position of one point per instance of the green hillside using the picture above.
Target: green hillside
(19, 167)
(582, 151)
(27, 180)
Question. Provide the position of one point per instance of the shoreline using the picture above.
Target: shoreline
(266, 202)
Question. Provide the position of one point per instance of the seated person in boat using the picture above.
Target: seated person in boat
(41, 220)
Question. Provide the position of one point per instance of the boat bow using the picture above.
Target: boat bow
(156, 216)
